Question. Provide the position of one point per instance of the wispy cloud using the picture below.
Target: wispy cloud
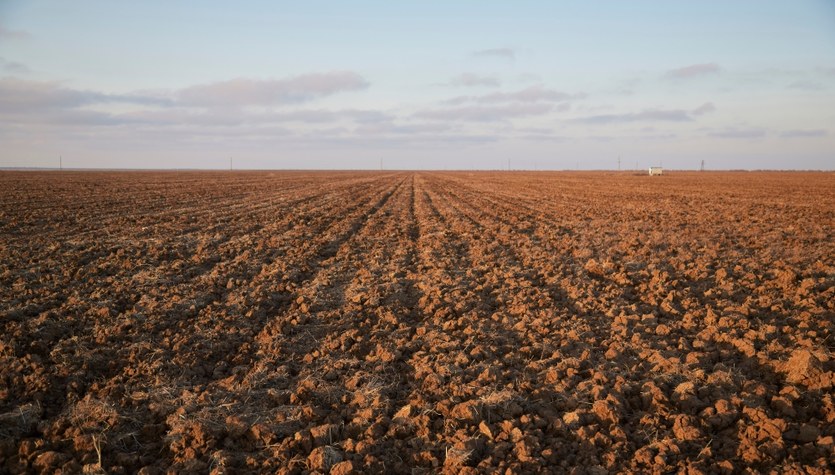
(178, 116)
(503, 53)
(739, 133)
(650, 115)
(18, 95)
(473, 80)
(693, 70)
(322, 116)
(485, 113)
(806, 85)
(13, 66)
(804, 133)
(44, 102)
(244, 92)
(8, 34)
(544, 137)
(530, 94)
(703, 109)
(30, 107)
(627, 87)
(390, 128)
(235, 117)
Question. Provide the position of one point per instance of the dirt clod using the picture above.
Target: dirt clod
(323, 458)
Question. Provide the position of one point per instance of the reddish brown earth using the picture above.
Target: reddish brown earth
(416, 322)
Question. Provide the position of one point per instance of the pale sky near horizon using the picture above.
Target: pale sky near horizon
(418, 85)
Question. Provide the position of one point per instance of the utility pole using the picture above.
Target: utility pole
(230, 164)
(702, 167)
(61, 162)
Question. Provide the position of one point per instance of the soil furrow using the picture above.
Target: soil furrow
(315, 322)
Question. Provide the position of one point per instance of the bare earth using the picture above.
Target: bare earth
(416, 322)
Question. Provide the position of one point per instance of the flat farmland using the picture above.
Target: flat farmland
(416, 322)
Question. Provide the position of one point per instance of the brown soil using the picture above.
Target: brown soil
(416, 322)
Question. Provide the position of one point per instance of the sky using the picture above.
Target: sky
(744, 84)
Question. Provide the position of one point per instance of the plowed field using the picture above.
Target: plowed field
(416, 322)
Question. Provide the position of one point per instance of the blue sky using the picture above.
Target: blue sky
(459, 85)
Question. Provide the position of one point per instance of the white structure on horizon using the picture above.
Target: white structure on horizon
(656, 171)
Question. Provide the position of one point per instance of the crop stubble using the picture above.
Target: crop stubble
(431, 321)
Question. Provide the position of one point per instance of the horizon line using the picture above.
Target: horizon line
(492, 170)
